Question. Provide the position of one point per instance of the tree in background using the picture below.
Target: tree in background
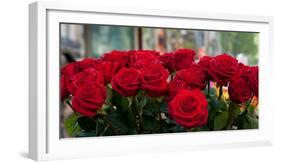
(241, 42)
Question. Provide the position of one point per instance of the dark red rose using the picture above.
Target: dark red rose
(64, 92)
(168, 61)
(244, 70)
(174, 86)
(144, 62)
(204, 62)
(121, 57)
(239, 90)
(81, 78)
(193, 76)
(86, 63)
(69, 69)
(254, 80)
(154, 80)
(108, 69)
(224, 68)
(67, 72)
(183, 58)
(89, 98)
(137, 55)
(189, 108)
(126, 82)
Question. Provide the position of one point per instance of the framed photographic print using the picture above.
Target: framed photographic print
(143, 80)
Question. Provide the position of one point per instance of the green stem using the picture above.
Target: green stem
(109, 124)
(159, 115)
(104, 131)
(139, 115)
(97, 127)
(230, 118)
(249, 103)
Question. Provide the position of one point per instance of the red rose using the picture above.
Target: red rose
(239, 90)
(174, 86)
(108, 69)
(69, 69)
(117, 56)
(168, 61)
(136, 55)
(89, 98)
(244, 70)
(86, 63)
(154, 80)
(88, 75)
(223, 68)
(254, 80)
(67, 72)
(64, 92)
(189, 108)
(144, 62)
(193, 76)
(204, 62)
(126, 82)
(183, 58)
(190, 78)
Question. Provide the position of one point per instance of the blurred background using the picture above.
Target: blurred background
(89, 40)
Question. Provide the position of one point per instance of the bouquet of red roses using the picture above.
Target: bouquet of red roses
(143, 92)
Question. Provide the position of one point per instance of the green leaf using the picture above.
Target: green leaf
(86, 123)
(220, 121)
(125, 103)
(147, 112)
(102, 111)
(251, 122)
(142, 102)
(86, 134)
(234, 111)
(164, 107)
(116, 99)
(99, 126)
(218, 105)
(251, 109)
(115, 119)
(71, 125)
(204, 128)
(168, 124)
(177, 128)
(150, 123)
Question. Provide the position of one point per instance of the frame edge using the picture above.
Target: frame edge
(35, 123)
(32, 103)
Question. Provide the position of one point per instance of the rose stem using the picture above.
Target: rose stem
(159, 115)
(97, 127)
(139, 114)
(220, 92)
(104, 131)
(110, 125)
(249, 103)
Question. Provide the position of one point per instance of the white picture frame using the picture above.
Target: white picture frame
(44, 140)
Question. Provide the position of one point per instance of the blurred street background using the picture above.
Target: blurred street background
(83, 40)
